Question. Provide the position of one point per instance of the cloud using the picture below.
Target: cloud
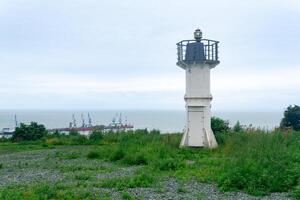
(117, 52)
(267, 80)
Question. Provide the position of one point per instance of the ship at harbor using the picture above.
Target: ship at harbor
(8, 132)
(86, 126)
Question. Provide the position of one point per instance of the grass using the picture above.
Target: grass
(9, 147)
(93, 155)
(121, 183)
(127, 196)
(182, 190)
(46, 191)
(255, 162)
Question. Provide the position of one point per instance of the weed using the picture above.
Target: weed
(141, 180)
(200, 196)
(181, 190)
(135, 159)
(127, 196)
(93, 155)
(45, 191)
(72, 155)
(82, 176)
(168, 164)
(96, 135)
(117, 155)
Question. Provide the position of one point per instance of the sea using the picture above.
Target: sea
(168, 121)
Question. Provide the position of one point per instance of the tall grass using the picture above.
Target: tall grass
(260, 163)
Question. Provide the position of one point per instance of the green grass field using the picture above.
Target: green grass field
(74, 167)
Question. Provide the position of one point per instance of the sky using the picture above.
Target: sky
(116, 54)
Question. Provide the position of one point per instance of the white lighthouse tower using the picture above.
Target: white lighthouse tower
(197, 57)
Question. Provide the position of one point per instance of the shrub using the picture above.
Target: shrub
(93, 155)
(141, 180)
(79, 139)
(181, 190)
(74, 133)
(3, 139)
(222, 138)
(117, 155)
(135, 159)
(144, 179)
(1, 165)
(82, 176)
(72, 155)
(127, 196)
(154, 131)
(237, 127)
(291, 118)
(54, 141)
(47, 191)
(141, 131)
(96, 135)
(219, 125)
(33, 131)
(56, 133)
(168, 164)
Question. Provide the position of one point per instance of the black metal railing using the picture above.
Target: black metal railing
(210, 51)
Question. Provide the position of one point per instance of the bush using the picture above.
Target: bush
(53, 141)
(74, 133)
(93, 155)
(168, 164)
(73, 139)
(79, 140)
(219, 125)
(37, 191)
(291, 118)
(72, 155)
(31, 132)
(141, 180)
(127, 196)
(154, 131)
(135, 159)
(237, 127)
(96, 135)
(3, 139)
(117, 155)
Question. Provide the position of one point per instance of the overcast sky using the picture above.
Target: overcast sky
(121, 54)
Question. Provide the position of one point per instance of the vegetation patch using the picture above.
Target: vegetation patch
(182, 190)
(93, 155)
(48, 191)
(121, 183)
(127, 196)
(82, 176)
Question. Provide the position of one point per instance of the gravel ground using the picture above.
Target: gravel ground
(64, 163)
(194, 190)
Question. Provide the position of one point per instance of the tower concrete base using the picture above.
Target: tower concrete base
(209, 142)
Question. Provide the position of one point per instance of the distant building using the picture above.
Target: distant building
(7, 133)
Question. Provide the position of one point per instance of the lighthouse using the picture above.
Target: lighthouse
(197, 57)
